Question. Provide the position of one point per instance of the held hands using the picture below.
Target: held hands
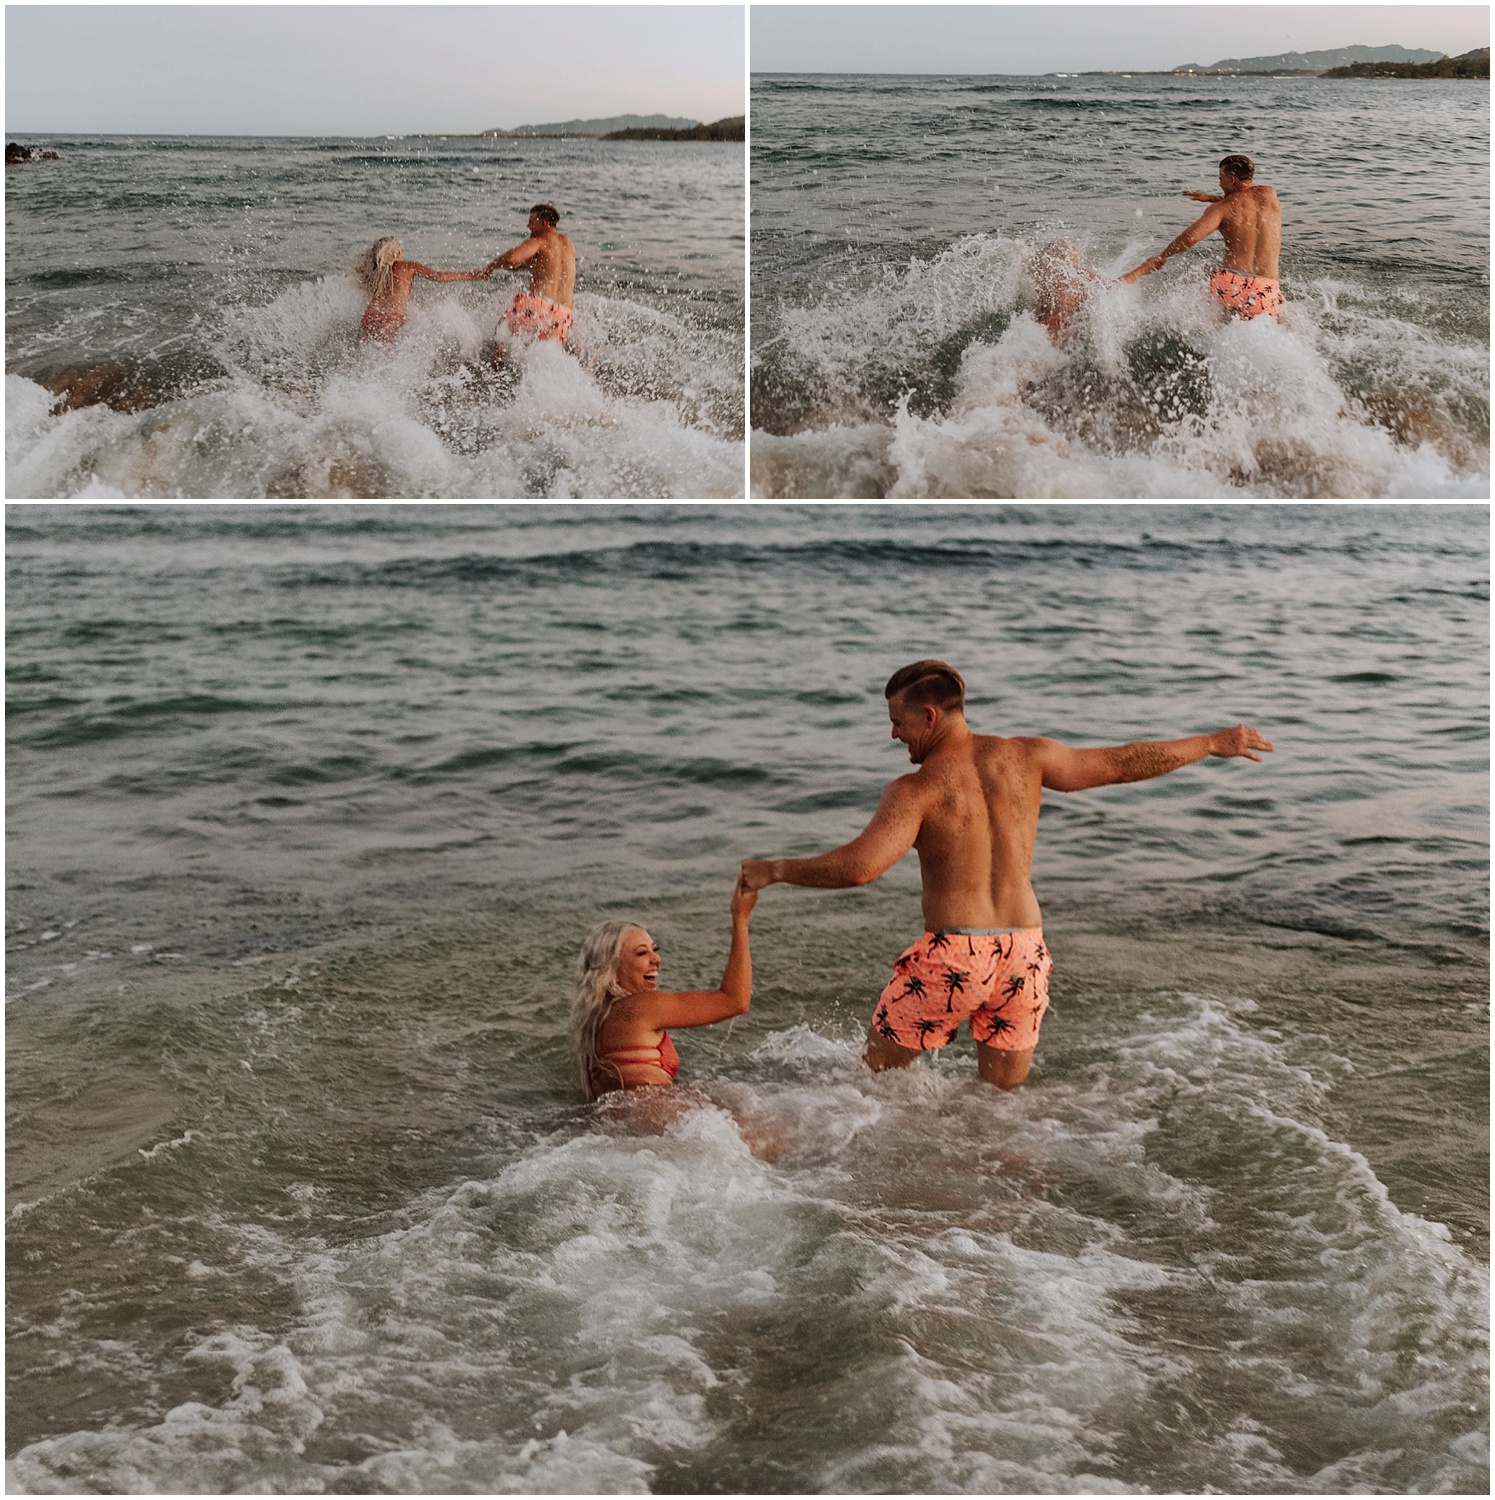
(1239, 741)
(756, 873)
(744, 899)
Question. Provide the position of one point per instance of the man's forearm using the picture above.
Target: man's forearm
(1144, 759)
(832, 871)
(1155, 263)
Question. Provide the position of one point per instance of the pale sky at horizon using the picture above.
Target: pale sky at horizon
(363, 69)
(1073, 38)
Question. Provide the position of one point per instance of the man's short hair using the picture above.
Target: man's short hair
(928, 683)
(548, 212)
(1242, 168)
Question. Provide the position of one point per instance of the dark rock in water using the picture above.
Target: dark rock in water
(110, 385)
(17, 153)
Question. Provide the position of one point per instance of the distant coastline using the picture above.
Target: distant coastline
(1343, 62)
(733, 128)
(1474, 64)
(613, 128)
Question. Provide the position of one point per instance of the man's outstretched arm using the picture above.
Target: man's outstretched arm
(1201, 229)
(873, 852)
(1066, 769)
(512, 260)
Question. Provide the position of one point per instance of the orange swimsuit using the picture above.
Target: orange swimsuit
(999, 977)
(1246, 296)
(539, 317)
(662, 1056)
(381, 322)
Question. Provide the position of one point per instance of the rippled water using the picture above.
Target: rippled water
(212, 275)
(894, 351)
(308, 810)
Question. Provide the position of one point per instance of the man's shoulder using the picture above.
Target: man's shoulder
(1013, 746)
(910, 784)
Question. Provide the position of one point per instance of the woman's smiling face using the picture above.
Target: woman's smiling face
(638, 964)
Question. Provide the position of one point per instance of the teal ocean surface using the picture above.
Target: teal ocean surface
(895, 350)
(309, 809)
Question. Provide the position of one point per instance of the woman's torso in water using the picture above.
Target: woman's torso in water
(631, 1054)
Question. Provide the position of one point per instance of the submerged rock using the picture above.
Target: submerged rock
(109, 385)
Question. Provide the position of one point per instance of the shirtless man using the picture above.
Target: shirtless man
(1249, 219)
(545, 310)
(971, 811)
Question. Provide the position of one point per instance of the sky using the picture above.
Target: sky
(363, 69)
(1072, 38)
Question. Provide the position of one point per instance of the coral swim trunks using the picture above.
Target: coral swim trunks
(1246, 296)
(539, 317)
(999, 977)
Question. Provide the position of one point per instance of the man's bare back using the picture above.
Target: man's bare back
(1251, 226)
(976, 799)
(971, 812)
(549, 257)
(1248, 218)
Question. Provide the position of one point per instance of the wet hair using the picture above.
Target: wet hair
(548, 212)
(928, 683)
(374, 268)
(595, 990)
(1242, 168)
(1051, 250)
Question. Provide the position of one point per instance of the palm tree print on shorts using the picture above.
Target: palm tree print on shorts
(1003, 991)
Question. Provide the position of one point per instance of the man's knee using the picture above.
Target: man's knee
(880, 1053)
(1005, 1069)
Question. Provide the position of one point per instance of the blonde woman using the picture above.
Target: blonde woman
(388, 280)
(619, 1015)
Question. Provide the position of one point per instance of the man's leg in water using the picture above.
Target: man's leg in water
(1005, 1069)
(881, 1053)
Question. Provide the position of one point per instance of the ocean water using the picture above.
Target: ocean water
(895, 350)
(309, 809)
(210, 275)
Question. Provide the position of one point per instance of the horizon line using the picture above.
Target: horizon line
(382, 135)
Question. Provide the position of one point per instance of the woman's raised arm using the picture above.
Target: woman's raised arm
(686, 1008)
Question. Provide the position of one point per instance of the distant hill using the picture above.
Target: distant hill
(599, 127)
(733, 128)
(1312, 62)
(1474, 64)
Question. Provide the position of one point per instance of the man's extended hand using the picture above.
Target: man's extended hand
(1200, 197)
(1239, 741)
(757, 873)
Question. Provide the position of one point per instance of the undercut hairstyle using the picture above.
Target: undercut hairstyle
(548, 212)
(1242, 168)
(928, 683)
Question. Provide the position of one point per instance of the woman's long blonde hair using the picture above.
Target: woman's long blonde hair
(596, 989)
(374, 267)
